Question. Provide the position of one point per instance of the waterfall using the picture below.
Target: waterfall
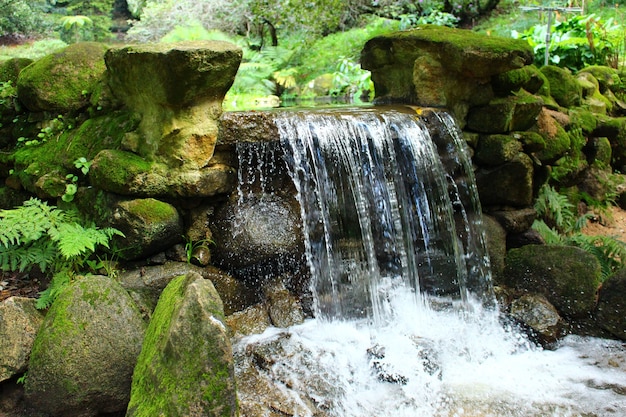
(383, 212)
(405, 319)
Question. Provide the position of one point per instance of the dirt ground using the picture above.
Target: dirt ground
(613, 224)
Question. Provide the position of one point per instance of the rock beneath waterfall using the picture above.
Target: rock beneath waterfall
(19, 322)
(264, 230)
(567, 276)
(186, 365)
(539, 315)
(611, 312)
(85, 351)
(283, 307)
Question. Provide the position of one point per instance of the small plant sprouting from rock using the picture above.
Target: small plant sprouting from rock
(72, 186)
(192, 246)
(36, 234)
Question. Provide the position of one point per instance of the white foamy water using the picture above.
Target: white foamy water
(440, 363)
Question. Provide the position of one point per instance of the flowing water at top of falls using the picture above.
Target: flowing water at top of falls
(405, 318)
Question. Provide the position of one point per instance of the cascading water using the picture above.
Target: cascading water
(405, 318)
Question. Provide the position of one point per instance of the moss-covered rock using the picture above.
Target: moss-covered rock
(42, 169)
(185, 367)
(19, 322)
(440, 66)
(177, 88)
(509, 184)
(527, 78)
(11, 68)
(563, 86)
(129, 174)
(567, 276)
(557, 140)
(607, 77)
(63, 81)
(149, 226)
(85, 351)
(531, 141)
(497, 149)
(583, 119)
(503, 115)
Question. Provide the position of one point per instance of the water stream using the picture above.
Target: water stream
(405, 317)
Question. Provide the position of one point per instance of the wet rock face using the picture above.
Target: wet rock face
(258, 230)
(611, 312)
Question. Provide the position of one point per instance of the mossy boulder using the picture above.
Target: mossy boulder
(567, 276)
(19, 323)
(527, 78)
(42, 169)
(149, 226)
(505, 114)
(11, 68)
(583, 119)
(62, 81)
(563, 86)
(129, 174)
(607, 77)
(85, 351)
(509, 184)
(557, 140)
(440, 66)
(497, 149)
(178, 89)
(186, 366)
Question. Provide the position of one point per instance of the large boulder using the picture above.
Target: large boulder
(186, 366)
(178, 89)
(62, 81)
(85, 351)
(509, 184)
(567, 276)
(19, 322)
(563, 86)
(440, 66)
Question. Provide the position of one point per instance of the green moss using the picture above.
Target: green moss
(114, 169)
(556, 145)
(563, 86)
(151, 210)
(528, 78)
(583, 119)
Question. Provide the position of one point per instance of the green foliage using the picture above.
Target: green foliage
(35, 50)
(261, 71)
(194, 31)
(51, 129)
(36, 234)
(579, 41)
(72, 186)
(191, 246)
(23, 17)
(350, 80)
(558, 224)
(76, 28)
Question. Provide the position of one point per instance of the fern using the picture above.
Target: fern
(556, 209)
(37, 234)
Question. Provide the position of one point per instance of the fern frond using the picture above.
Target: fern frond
(610, 252)
(551, 236)
(59, 282)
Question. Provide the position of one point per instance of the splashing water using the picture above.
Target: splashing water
(405, 318)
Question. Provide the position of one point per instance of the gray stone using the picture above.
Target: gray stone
(537, 313)
(19, 322)
(611, 311)
(84, 354)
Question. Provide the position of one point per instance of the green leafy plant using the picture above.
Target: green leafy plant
(576, 42)
(76, 28)
(37, 234)
(72, 185)
(191, 246)
(559, 224)
(351, 80)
